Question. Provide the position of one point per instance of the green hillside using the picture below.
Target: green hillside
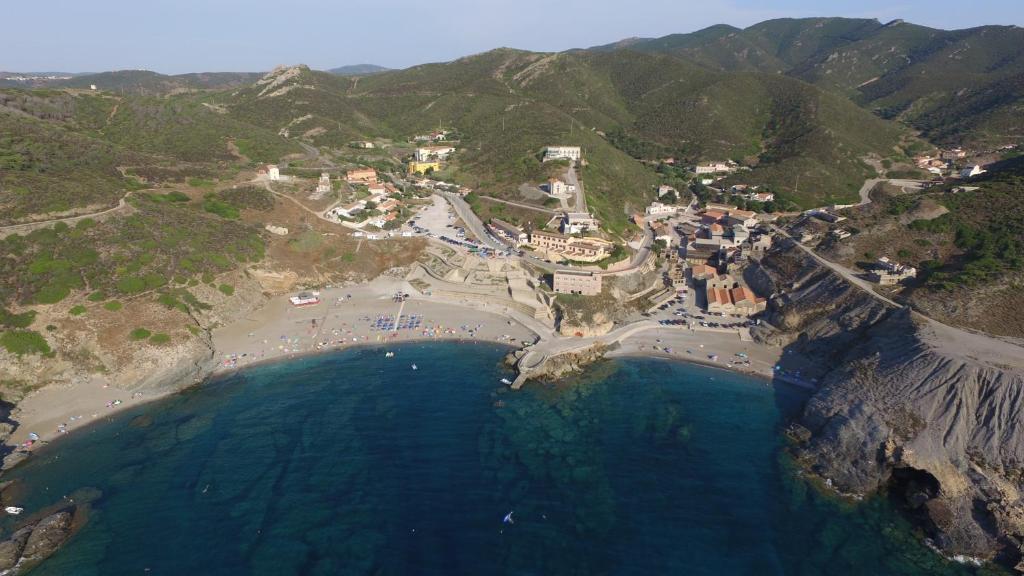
(957, 87)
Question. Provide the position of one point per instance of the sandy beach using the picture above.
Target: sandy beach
(368, 315)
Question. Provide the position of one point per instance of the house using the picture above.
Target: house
(558, 188)
(760, 244)
(366, 145)
(416, 167)
(888, 273)
(972, 171)
(666, 189)
(954, 154)
(715, 231)
(576, 222)
(711, 217)
(562, 153)
(740, 234)
(719, 301)
(324, 185)
(663, 233)
(361, 176)
(377, 189)
(431, 153)
(841, 234)
(701, 253)
(509, 233)
(742, 217)
(712, 168)
(703, 272)
(762, 197)
(576, 282)
(745, 302)
(657, 209)
(274, 172)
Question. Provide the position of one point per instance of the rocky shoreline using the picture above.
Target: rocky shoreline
(924, 411)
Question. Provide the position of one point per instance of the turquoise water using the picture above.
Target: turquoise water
(351, 463)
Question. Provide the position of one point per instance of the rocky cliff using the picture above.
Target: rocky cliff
(929, 412)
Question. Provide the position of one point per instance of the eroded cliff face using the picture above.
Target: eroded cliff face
(930, 412)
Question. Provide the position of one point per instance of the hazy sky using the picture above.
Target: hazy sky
(174, 36)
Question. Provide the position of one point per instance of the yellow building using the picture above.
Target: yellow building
(422, 167)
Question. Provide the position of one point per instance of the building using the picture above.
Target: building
(577, 282)
(742, 217)
(366, 145)
(703, 272)
(361, 176)
(701, 254)
(710, 217)
(324, 185)
(305, 299)
(663, 233)
(274, 172)
(558, 188)
(972, 171)
(666, 189)
(712, 168)
(576, 222)
(432, 153)
(573, 153)
(762, 197)
(585, 249)
(416, 167)
(745, 302)
(888, 273)
(509, 233)
(657, 210)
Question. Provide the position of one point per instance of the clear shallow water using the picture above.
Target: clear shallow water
(351, 463)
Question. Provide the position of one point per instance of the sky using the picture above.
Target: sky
(177, 36)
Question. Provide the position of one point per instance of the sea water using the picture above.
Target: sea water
(353, 463)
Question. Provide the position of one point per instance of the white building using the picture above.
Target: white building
(562, 153)
(576, 222)
(762, 197)
(274, 172)
(665, 189)
(712, 168)
(657, 209)
(433, 153)
(972, 171)
(324, 185)
(558, 188)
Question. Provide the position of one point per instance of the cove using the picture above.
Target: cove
(353, 463)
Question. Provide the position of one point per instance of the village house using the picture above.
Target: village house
(659, 210)
(433, 153)
(576, 222)
(556, 187)
(508, 233)
(762, 197)
(665, 189)
(663, 233)
(576, 282)
(972, 171)
(377, 189)
(713, 168)
(366, 145)
(702, 272)
(324, 185)
(710, 217)
(562, 153)
(416, 167)
(361, 176)
(348, 210)
(888, 273)
(742, 217)
(701, 253)
(274, 172)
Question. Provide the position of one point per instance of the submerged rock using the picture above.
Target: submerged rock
(34, 543)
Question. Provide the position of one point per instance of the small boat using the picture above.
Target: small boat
(389, 355)
(508, 519)
(14, 510)
(414, 367)
(506, 381)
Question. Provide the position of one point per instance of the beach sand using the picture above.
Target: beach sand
(360, 316)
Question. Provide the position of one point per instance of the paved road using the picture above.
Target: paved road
(869, 185)
(313, 153)
(581, 198)
(472, 221)
(843, 271)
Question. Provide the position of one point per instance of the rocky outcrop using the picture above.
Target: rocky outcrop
(34, 543)
(906, 404)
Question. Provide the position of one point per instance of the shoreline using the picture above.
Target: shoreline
(348, 317)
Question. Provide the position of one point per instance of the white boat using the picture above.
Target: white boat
(389, 355)
(506, 381)
(14, 510)
(414, 367)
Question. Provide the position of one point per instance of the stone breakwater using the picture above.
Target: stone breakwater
(929, 412)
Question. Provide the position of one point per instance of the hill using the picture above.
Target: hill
(507, 105)
(957, 87)
(358, 70)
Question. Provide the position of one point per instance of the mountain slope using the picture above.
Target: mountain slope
(955, 86)
(358, 70)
